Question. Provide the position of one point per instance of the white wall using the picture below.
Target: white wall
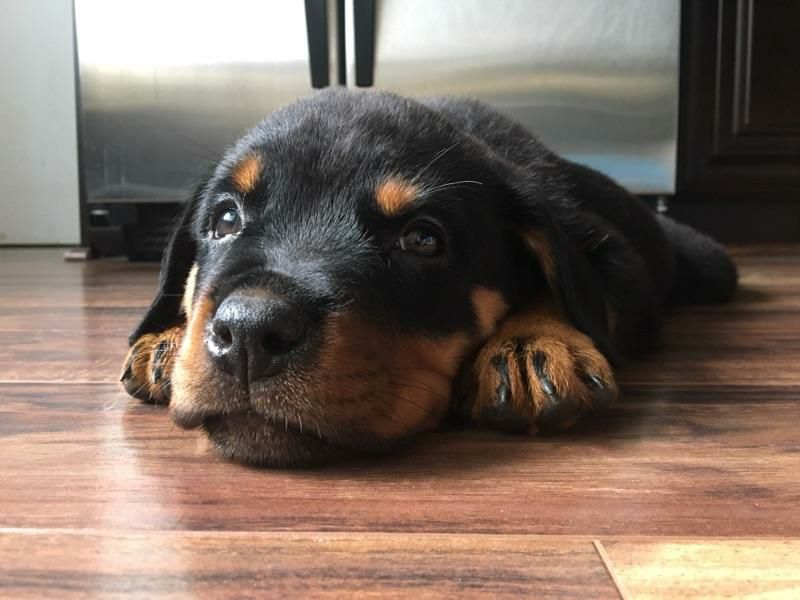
(38, 147)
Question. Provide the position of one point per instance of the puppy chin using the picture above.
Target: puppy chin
(262, 426)
(251, 439)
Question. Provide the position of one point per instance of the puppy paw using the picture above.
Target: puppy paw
(147, 371)
(545, 380)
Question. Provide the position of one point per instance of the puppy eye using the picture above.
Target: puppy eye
(422, 240)
(227, 223)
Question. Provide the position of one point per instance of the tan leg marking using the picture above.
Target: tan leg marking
(148, 367)
(538, 371)
(150, 363)
(489, 307)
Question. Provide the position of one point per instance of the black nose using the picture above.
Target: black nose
(252, 334)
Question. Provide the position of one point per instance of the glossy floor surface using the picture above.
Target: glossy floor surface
(690, 487)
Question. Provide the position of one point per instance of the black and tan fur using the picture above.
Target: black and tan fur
(394, 261)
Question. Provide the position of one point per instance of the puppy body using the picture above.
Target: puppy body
(394, 251)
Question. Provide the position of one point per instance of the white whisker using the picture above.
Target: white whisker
(436, 157)
(452, 184)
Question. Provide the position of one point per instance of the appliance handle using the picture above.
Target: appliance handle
(317, 32)
(341, 44)
(364, 30)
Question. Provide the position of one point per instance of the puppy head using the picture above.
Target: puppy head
(341, 261)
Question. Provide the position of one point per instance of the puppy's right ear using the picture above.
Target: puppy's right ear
(176, 263)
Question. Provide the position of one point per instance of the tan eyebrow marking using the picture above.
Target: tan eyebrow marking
(245, 175)
(489, 307)
(394, 196)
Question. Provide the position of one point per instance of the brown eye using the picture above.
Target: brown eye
(421, 240)
(228, 222)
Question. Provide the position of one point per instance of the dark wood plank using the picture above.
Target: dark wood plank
(95, 354)
(755, 340)
(49, 262)
(667, 461)
(68, 322)
(705, 442)
(36, 564)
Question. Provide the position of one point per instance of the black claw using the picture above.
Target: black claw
(539, 360)
(133, 387)
(501, 414)
(557, 411)
(503, 395)
(160, 351)
(602, 395)
(158, 357)
(595, 381)
(547, 388)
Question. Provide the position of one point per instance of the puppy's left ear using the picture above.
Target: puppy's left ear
(176, 263)
(556, 240)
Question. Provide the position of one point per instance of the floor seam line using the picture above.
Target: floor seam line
(609, 567)
(57, 381)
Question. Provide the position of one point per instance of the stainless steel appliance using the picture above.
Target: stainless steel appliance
(166, 85)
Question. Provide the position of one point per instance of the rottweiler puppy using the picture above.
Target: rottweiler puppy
(361, 265)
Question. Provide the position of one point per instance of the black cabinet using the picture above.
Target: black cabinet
(739, 141)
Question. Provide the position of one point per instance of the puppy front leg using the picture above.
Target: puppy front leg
(147, 371)
(538, 372)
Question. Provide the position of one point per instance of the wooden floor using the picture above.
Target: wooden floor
(689, 488)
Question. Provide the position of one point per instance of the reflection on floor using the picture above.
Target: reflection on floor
(689, 487)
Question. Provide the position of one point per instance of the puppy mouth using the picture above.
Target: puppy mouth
(251, 438)
(278, 435)
(251, 423)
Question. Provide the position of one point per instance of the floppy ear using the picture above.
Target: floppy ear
(558, 245)
(179, 256)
